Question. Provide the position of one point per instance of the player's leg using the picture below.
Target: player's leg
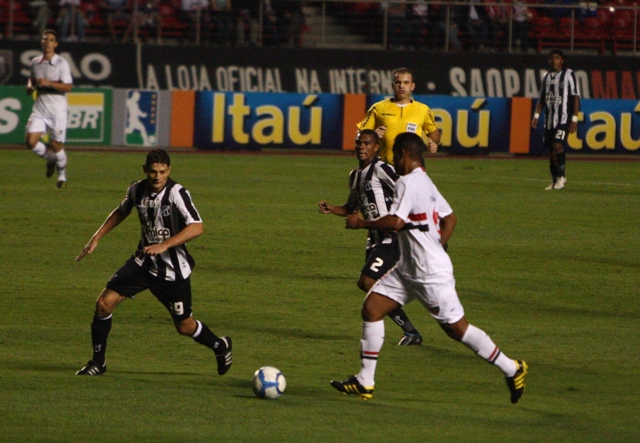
(561, 160)
(442, 301)
(176, 297)
(36, 126)
(107, 301)
(376, 306)
(380, 260)
(549, 136)
(58, 133)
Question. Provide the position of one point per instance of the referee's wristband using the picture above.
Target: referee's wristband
(574, 119)
(536, 116)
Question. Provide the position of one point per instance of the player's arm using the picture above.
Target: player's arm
(326, 208)
(30, 86)
(114, 219)
(447, 224)
(189, 232)
(573, 126)
(57, 86)
(387, 223)
(536, 115)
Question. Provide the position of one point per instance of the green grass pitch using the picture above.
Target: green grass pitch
(553, 277)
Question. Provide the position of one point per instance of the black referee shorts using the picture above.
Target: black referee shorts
(380, 259)
(132, 279)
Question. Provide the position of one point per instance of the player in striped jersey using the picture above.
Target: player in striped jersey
(162, 264)
(372, 184)
(424, 222)
(560, 98)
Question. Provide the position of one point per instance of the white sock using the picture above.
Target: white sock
(40, 149)
(61, 163)
(370, 345)
(481, 344)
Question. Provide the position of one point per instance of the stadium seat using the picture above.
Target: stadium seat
(172, 26)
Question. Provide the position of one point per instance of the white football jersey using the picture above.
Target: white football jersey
(418, 202)
(50, 103)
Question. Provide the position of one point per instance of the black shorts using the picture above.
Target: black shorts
(131, 279)
(380, 259)
(558, 135)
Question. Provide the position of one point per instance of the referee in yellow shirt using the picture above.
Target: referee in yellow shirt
(400, 114)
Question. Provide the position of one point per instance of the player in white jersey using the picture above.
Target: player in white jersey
(162, 264)
(372, 184)
(51, 78)
(424, 222)
(560, 98)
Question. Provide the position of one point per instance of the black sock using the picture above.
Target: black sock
(401, 319)
(100, 328)
(204, 336)
(562, 160)
(553, 168)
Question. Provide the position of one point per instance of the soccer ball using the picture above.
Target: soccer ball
(268, 382)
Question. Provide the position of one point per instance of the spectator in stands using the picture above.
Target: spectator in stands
(521, 25)
(221, 21)
(247, 28)
(456, 14)
(117, 10)
(497, 22)
(556, 12)
(149, 19)
(418, 24)
(477, 27)
(291, 21)
(197, 14)
(40, 13)
(397, 29)
(71, 21)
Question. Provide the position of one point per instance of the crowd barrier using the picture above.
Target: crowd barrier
(238, 120)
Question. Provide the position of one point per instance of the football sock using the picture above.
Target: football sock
(481, 344)
(204, 336)
(61, 163)
(401, 319)
(370, 345)
(41, 150)
(553, 168)
(562, 160)
(100, 328)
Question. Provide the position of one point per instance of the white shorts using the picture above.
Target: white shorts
(437, 293)
(56, 127)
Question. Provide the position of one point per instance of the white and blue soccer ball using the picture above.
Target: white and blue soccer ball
(268, 382)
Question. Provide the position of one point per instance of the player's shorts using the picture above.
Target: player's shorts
(437, 293)
(132, 279)
(381, 259)
(56, 127)
(557, 135)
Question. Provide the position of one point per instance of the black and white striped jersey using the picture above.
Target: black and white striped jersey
(372, 193)
(162, 216)
(556, 94)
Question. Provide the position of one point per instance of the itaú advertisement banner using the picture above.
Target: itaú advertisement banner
(255, 120)
(604, 126)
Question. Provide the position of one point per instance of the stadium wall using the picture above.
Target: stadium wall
(237, 120)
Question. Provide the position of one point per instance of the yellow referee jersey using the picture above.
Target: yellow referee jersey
(413, 117)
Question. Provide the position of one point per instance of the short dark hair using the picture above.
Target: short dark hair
(410, 142)
(404, 71)
(158, 156)
(52, 32)
(556, 51)
(370, 132)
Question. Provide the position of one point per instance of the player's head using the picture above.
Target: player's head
(402, 84)
(407, 149)
(157, 167)
(49, 40)
(556, 59)
(367, 146)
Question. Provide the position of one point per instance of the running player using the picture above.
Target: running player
(372, 184)
(560, 98)
(51, 78)
(400, 114)
(424, 222)
(162, 264)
